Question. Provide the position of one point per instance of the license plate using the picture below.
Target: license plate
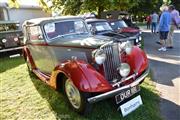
(126, 94)
(131, 105)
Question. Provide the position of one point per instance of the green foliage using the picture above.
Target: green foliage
(124, 5)
(146, 7)
(13, 3)
(176, 3)
(75, 7)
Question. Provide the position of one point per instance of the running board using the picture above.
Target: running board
(41, 75)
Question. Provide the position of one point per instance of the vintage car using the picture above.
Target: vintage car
(10, 35)
(114, 29)
(120, 26)
(117, 14)
(64, 54)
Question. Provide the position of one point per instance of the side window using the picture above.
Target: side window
(34, 34)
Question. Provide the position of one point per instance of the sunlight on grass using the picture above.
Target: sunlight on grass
(23, 96)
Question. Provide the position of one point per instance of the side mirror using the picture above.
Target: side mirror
(93, 30)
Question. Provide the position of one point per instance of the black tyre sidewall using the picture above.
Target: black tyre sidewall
(85, 106)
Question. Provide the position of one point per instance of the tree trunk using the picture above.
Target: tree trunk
(100, 10)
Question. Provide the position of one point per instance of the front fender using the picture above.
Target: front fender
(84, 76)
(137, 60)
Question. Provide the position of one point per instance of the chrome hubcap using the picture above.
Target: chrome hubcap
(73, 94)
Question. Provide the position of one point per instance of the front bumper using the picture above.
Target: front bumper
(116, 91)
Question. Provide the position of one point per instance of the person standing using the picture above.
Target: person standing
(148, 21)
(164, 25)
(154, 21)
(173, 26)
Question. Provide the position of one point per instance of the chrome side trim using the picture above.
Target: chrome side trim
(116, 91)
(10, 49)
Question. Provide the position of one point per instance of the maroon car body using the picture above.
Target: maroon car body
(63, 53)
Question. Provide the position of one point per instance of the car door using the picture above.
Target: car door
(38, 49)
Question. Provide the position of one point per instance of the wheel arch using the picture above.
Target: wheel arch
(59, 81)
(83, 76)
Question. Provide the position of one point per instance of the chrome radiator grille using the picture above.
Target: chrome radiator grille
(112, 62)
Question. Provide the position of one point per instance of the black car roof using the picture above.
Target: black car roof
(95, 20)
(114, 20)
(37, 21)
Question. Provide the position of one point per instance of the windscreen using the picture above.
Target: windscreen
(65, 29)
(118, 25)
(100, 26)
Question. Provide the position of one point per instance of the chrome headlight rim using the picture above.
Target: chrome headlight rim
(4, 40)
(140, 38)
(100, 56)
(124, 69)
(137, 40)
(128, 47)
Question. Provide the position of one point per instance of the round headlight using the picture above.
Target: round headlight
(124, 70)
(15, 39)
(140, 38)
(128, 47)
(4, 40)
(137, 40)
(100, 57)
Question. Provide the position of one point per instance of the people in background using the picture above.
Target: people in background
(164, 25)
(148, 21)
(174, 24)
(154, 21)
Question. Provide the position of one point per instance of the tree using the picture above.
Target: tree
(13, 3)
(75, 7)
(176, 3)
(124, 5)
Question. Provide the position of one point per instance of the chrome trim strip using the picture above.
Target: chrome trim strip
(116, 91)
(106, 44)
(10, 49)
(124, 79)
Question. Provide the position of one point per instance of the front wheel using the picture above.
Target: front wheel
(77, 100)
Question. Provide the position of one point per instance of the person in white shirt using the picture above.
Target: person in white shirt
(154, 21)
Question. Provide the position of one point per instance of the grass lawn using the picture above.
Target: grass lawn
(23, 96)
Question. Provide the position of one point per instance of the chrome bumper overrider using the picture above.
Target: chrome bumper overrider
(116, 91)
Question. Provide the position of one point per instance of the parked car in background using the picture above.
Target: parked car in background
(64, 54)
(116, 29)
(123, 15)
(119, 26)
(10, 36)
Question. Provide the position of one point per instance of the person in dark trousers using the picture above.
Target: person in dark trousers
(164, 25)
(148, 21)
(154, 21)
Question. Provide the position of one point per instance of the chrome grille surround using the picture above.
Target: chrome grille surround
(112, 62)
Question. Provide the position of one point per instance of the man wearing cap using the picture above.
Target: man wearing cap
(164, 25)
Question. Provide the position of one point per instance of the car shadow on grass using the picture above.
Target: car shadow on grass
(104, 110)
(9, 63)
